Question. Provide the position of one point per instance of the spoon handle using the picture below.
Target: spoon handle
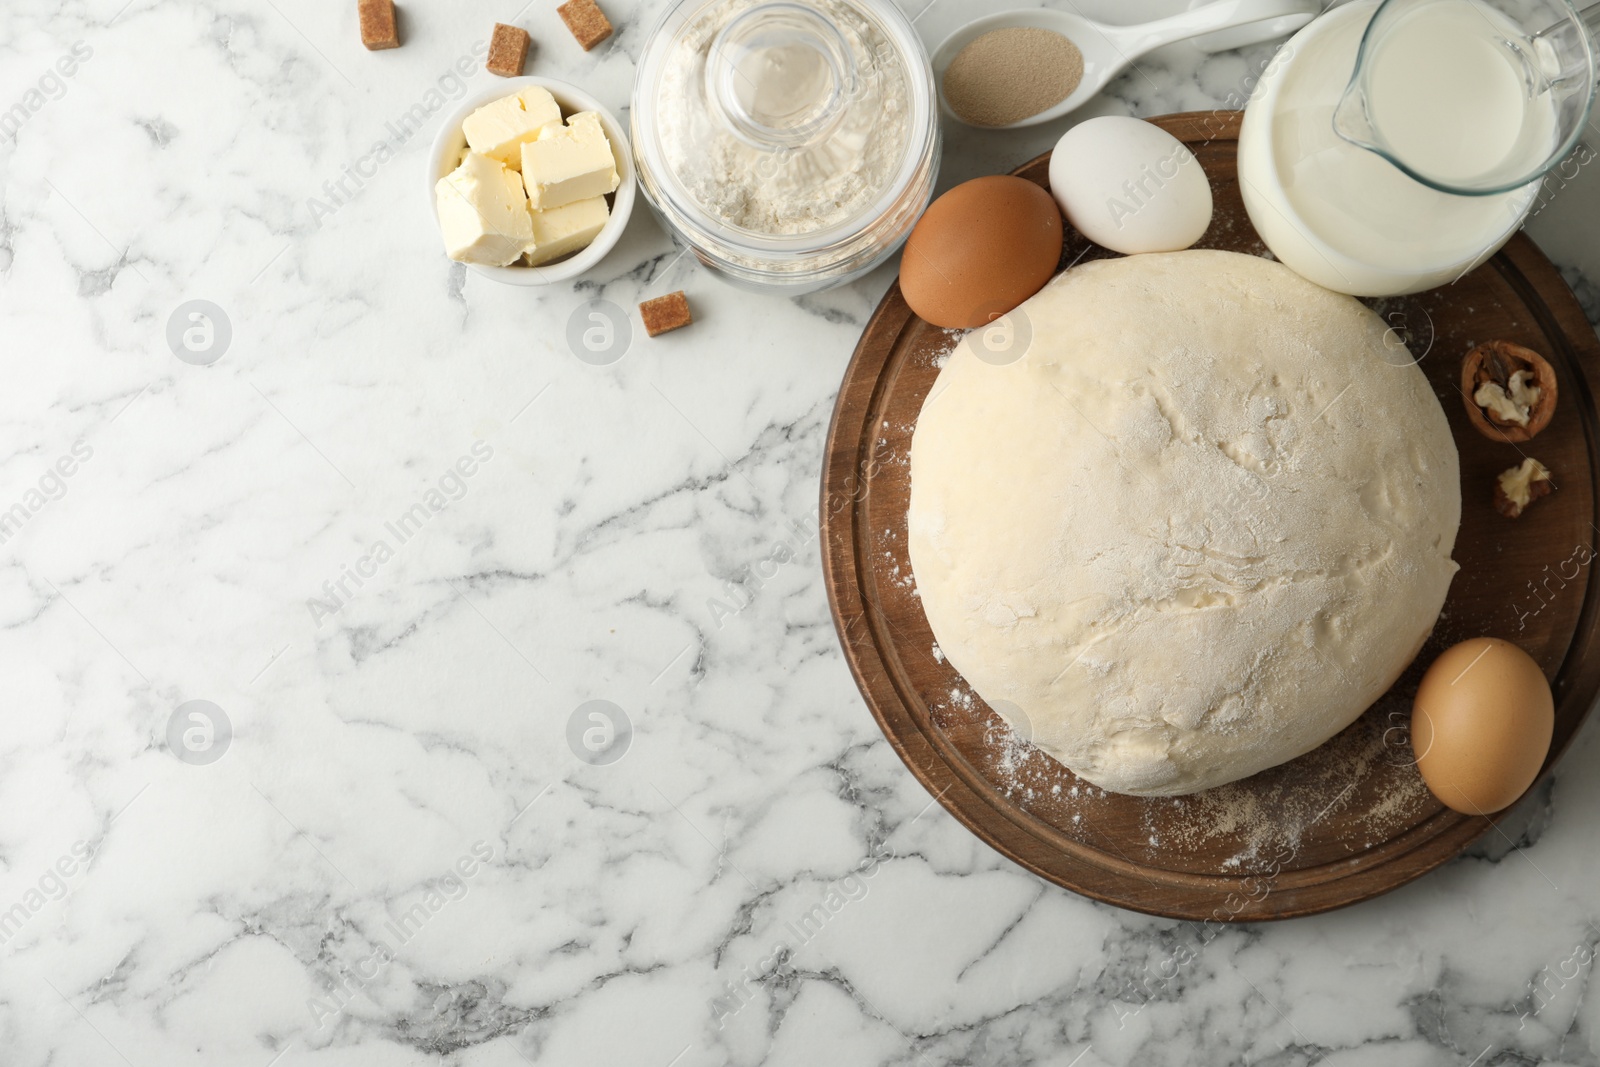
(1134, 41)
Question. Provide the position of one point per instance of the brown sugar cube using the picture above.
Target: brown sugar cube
(378, 29)
(586, 21)
(665, 313)
(508, 50)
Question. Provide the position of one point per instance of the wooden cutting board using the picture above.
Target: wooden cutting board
(1341, 824)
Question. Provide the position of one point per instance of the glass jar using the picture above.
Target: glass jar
(792, 143)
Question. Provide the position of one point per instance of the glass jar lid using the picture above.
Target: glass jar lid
(782, 127)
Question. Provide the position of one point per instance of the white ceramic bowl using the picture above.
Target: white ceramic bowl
(449, 142)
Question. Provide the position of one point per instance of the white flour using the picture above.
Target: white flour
(795, 190)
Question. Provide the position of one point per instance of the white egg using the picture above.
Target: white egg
(1130, 186)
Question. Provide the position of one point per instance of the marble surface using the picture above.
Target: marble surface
(399, 857)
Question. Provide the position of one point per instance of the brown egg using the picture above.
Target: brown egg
(980, 250)
(1481, 725)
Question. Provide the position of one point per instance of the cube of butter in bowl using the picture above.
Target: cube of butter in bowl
(587, 205)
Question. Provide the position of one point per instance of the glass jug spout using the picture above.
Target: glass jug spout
(1352, 121)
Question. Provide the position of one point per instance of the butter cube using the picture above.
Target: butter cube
(500, 129)
(483, 212)
(568, 163)
(568, 228)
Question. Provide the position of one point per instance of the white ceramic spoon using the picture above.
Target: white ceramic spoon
(1108, 49)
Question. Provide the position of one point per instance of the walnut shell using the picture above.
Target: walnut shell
(1497, 361)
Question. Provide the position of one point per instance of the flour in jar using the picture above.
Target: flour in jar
(806, 185)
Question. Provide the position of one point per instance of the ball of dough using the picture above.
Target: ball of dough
(1130, 186)
(1197, 527)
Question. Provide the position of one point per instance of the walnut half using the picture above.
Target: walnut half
(1520, 486)
(1509, 391)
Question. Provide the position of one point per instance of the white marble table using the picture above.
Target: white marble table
(398, 858)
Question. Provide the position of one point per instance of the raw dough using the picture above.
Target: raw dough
(1196, 529)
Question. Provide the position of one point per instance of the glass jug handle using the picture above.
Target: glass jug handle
(1559, 51)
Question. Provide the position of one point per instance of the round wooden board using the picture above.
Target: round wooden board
(1343, 823)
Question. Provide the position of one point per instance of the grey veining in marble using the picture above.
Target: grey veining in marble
(400, 541)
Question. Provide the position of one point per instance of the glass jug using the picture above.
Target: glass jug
(1461, 96)
(1393, 146)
